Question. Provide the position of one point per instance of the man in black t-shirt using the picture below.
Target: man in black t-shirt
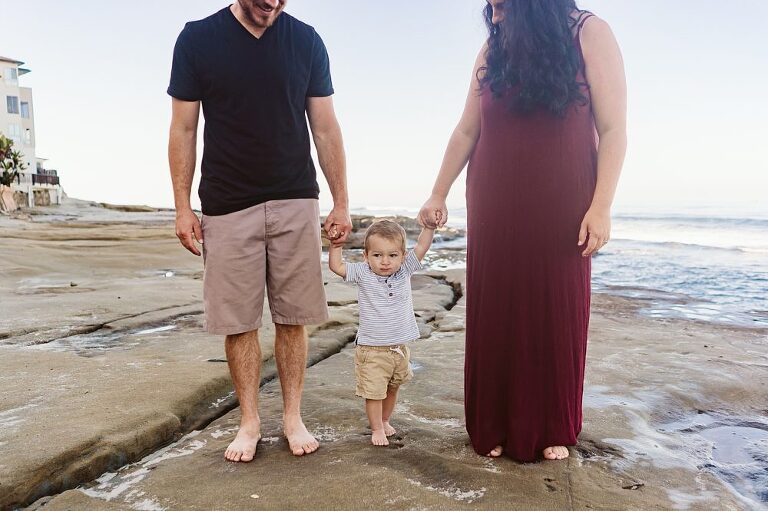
(258, 74)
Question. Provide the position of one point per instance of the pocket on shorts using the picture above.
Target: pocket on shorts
(408, 367)
(361, 355)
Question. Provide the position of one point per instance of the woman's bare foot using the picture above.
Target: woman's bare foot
(388, 429)
(243, 447)
(300, 441)
(495, 452)
(556, 453)
(379, 437)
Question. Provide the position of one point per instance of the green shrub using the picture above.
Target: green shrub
(10, 161)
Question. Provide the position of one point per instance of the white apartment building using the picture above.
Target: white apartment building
(17, 121)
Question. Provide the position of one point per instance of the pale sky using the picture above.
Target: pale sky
(698, 119)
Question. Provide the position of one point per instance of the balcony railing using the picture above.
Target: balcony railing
(40, 179)
(37, 179)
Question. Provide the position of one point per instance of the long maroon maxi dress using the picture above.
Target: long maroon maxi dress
(531, 179)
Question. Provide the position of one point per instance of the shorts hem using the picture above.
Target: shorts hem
(362, 395)
(232, 330)
(312, 320)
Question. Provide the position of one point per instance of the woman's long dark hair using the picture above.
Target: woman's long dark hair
(533, 49)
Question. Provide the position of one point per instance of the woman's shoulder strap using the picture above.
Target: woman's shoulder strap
(581, 19)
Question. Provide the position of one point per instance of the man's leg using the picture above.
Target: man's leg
(291, 358)
(244, 359)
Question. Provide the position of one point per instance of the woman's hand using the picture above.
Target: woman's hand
(434, 213)
(595, 230)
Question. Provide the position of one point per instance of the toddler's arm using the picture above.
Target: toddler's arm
(335, 261)
(424, 242)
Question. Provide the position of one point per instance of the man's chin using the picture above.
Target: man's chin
(262, 20)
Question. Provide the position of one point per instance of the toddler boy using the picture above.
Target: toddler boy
(387, 322)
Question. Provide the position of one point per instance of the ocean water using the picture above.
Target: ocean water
(707, 264)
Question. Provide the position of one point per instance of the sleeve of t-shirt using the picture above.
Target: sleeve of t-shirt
(354, 272)
(320, 84)
(412, 263)
(185, 82)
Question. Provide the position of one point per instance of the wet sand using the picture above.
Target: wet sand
(104, 363)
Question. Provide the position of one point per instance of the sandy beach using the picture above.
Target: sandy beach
(112, 396)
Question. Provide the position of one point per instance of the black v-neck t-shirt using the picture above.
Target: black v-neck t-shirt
(253, 93)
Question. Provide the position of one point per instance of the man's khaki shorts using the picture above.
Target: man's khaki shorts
(380, 367)
(275, 244)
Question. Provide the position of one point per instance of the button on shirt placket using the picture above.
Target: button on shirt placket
(388, 290)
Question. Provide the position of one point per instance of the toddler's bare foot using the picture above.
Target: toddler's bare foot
(243, 447)
(556, 453)
(388, 429)
(379, 437)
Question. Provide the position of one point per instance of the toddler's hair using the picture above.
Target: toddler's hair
(387, 229)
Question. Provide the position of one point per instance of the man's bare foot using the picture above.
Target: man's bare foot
(300, 441)
(243, 447)
(556, 453)
(388, 429)
(379, 437)
(495, 452)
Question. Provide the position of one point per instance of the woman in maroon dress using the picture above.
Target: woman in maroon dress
(544, 132)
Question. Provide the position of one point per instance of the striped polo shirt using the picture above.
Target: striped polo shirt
(386, 304)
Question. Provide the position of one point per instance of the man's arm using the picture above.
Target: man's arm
(424, 242)
(330, 151)
(335, 261)
(182, 154)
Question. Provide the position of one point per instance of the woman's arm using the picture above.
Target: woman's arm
(335, 261)
(605, 75)
(434, 212)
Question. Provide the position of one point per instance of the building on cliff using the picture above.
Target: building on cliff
(36, 185)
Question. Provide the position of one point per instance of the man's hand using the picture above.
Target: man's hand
(597, 226)
(188, 230)
(338, 225)
(434, 213)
